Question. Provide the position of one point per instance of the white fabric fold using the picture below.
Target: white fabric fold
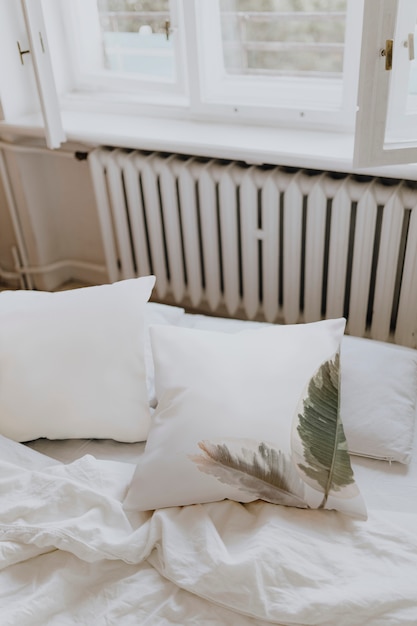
(70, 554)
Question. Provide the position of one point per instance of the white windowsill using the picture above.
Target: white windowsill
(253, 144)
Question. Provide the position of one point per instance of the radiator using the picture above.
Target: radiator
(263, 242)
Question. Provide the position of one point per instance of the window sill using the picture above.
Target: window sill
(310, 149)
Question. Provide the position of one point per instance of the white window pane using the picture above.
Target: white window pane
(283, 37)
(402, 102)
(126, 47)
(281, 59)
(136, 37)
(412, 81)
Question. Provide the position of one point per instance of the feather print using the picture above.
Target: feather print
(254, 468)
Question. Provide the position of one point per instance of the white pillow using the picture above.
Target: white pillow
(378, 398)
(260, 402)
(72, 363)
(157, 313)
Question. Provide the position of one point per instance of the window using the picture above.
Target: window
(278, 63)
(402, 105)
(281, 60)
(283, 39)
(388, 85)
(125, 47)
(137, 38)
(257, 60)
(35, 26)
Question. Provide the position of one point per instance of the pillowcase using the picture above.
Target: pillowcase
(378, 398)
(156, 313)
(247, 416)
(72, 363)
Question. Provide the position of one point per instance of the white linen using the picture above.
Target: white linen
(70, 554)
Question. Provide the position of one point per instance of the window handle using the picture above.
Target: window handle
(22, 52)
(167, 28)
(387, 53)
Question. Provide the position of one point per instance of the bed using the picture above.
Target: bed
(101, 524)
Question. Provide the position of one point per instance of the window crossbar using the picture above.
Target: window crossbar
(262, 16)
(284, 45)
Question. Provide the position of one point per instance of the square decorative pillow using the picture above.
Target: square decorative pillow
(247, 416)
(72, 363)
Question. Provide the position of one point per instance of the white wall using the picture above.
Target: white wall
(7, 237)
(54, 200)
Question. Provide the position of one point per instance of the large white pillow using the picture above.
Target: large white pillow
(72, 363)
(247, 416)
(378, 398)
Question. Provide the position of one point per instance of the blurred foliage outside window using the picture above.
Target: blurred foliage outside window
(260, 37)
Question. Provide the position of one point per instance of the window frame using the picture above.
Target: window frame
(371, 149)
(218, 94)
(192, 98)
(44, 77)
(372, 145)
(107, 84)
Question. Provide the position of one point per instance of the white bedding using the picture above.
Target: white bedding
(69, 554)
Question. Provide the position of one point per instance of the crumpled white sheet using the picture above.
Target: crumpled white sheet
(70, 554)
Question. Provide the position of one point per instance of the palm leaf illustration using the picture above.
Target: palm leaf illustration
(324, 460)
(254, 468)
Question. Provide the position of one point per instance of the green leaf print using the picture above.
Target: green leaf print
(326, 461)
